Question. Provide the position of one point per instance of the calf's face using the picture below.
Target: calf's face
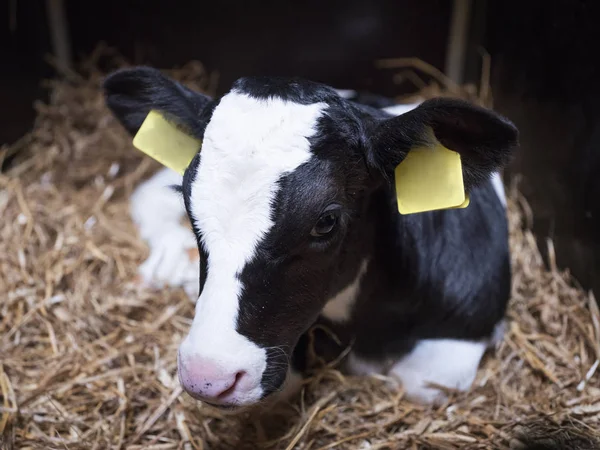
(276, 195)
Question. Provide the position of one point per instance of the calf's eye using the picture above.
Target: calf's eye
(326, 223)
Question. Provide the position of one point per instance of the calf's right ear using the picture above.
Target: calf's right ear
(132, 93)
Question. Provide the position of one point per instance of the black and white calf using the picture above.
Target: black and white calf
(293, 208)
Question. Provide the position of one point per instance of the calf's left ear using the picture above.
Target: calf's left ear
(132, 93)
(484, 139)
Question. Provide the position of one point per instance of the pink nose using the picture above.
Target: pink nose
(207, 380)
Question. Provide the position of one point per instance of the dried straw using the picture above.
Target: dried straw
(87, 361)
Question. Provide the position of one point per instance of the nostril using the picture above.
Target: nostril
(230, 389)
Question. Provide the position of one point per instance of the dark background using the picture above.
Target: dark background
(335, 42)
(545, 61)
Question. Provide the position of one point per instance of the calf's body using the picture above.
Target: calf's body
(295, 220)
(428, 293)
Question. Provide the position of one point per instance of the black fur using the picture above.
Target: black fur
(295, 90)
(484, 140)
(132, 93)
(375, 101)
(443, 274)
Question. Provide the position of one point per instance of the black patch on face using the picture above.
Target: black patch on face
(286, 284)
(294, 273)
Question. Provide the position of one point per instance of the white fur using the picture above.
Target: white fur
(157, 211)
(345, 93)
(248, 146)
(154, 207)
(339, 308)
(499, 187)
(398, 110)
(445, 362)
(498, 334)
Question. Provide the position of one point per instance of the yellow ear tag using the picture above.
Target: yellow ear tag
(167, 144)
(429, 179)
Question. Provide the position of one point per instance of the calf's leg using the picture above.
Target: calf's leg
(158, 211)
(445, 362)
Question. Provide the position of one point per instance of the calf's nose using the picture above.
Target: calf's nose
(206, 379)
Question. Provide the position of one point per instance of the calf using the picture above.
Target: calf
(294, 213)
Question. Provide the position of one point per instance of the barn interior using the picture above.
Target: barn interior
(87, 361)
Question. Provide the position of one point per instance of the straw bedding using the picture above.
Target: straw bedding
(87, 360)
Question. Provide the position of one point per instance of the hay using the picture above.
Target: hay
(87, 361)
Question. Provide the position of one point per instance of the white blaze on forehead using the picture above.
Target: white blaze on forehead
(249, 144)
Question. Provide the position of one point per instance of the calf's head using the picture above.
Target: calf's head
(277, 196)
